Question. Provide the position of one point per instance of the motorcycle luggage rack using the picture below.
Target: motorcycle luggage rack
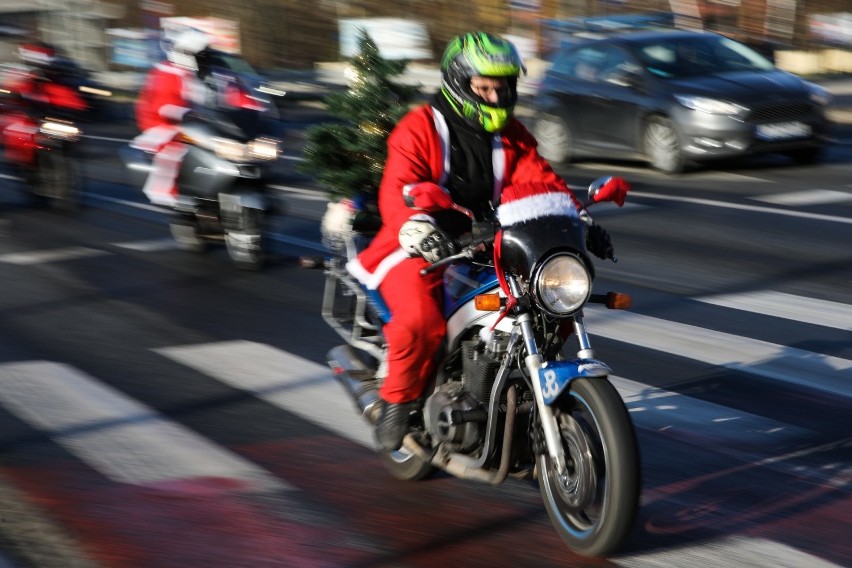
(355, 328)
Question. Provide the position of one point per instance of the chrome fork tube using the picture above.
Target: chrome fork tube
(534, 362)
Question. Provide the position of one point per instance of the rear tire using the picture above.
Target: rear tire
(406, 466)
(593, 506)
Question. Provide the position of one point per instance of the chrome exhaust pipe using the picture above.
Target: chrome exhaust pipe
(357, 379)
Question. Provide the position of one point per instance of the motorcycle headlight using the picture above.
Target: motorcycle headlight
(562, 284)
(62, 130)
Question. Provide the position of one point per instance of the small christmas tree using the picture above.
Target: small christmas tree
(347, 157)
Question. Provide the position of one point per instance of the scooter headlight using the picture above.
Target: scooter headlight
(562, 284)
(230, 150)
(258, 149)
(263, 149)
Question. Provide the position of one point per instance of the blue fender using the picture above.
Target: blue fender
(554, 376)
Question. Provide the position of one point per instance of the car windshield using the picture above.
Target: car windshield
(675, 58)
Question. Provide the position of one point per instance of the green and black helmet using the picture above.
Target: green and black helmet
(486, 55)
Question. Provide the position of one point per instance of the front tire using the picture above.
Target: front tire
(593, 505)
(247, 247)
(662, 146)
(57, 179)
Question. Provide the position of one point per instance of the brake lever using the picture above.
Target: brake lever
(465, 254)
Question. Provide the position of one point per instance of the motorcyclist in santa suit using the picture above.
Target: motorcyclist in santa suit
(42, 88)
(171, 90)
(467, 141)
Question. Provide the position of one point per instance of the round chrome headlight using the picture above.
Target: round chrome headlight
(562, 285)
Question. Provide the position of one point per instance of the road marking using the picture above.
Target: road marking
(9, 177)
(779, 362)
(53, 255)
(744, 207)
(120, 437)
(154, 245)
(807, 197)
(739, 551)
(778, 304)
(298, 385)
(308, 194)
(661, 410)
(287, 381)
(136, 204)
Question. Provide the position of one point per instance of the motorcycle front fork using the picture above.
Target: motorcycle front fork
(534, 361)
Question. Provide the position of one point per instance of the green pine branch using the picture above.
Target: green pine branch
(346, 156)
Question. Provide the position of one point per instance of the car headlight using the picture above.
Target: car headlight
(711, 106)
(562, 284)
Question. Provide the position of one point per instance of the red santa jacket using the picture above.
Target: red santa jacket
(418, 151)
(168, 93)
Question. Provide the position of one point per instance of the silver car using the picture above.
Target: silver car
(674, 98)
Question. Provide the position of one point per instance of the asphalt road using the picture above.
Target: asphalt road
(161, 409)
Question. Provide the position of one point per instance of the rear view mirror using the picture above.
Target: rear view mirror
(609, 188)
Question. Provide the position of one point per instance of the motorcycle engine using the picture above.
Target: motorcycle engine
(454, 417)
(455, 413)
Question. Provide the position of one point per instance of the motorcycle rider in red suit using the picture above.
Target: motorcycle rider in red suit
(466, 141)
(34, 93)
(171, 90)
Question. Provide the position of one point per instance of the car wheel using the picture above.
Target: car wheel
(662, 146)
(554, 138)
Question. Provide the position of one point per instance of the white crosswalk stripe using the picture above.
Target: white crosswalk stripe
(806, 310)
(287, 381)
(780, 362)
(131, 443)
(739, 551)
(118, 436)
(53, 255)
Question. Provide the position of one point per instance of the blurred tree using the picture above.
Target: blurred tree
(347, 156)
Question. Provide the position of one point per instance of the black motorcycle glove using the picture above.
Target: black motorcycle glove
(598, 242)
(437, 246)
(422, 238)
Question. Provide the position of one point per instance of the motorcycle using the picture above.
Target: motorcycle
(41, 143)
(223, 182)
(506, 399)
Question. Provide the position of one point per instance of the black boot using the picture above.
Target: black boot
(392, 425)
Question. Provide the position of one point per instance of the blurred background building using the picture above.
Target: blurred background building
(297, 33)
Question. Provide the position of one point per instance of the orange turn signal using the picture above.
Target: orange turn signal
(618, 301)
(488, 302)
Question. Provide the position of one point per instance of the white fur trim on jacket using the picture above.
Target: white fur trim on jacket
(372, 281)
(535, 207)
